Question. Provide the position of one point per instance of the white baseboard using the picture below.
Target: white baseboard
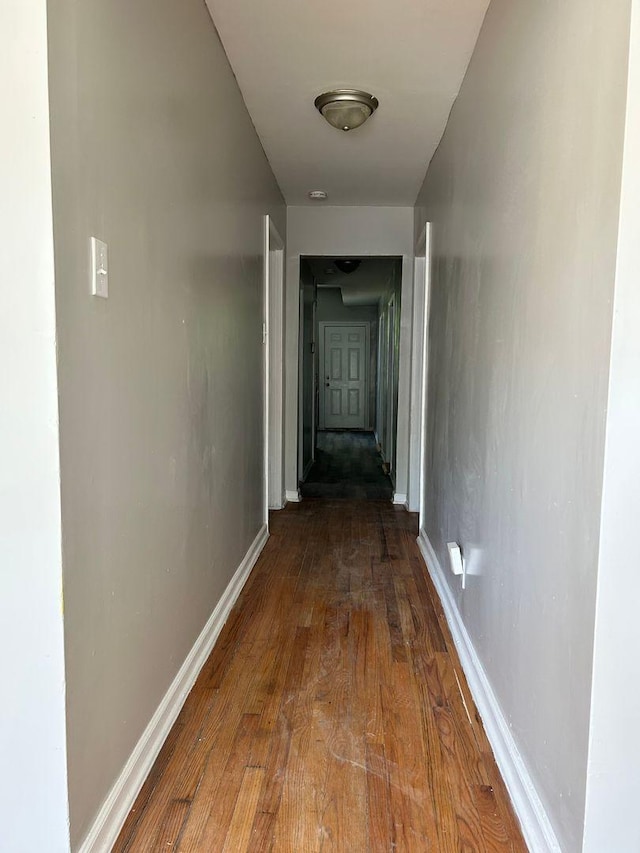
(112, 815)
(535, 823)
(292, 496)
(401, 500)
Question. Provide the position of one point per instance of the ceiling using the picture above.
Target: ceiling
(364, 286)
(411, 54)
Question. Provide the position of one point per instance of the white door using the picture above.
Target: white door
(345, 360)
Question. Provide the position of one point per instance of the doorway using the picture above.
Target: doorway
(348, 375)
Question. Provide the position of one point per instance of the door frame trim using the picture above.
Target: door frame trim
(392, 362)
(273, 369)
(321, 327)
(420, 372)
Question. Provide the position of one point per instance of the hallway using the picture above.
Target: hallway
(347, 465)
(332, 713)
(227, 225)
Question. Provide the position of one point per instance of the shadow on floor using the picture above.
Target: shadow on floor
(347, 466)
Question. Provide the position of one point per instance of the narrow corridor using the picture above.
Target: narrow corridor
(332, 713)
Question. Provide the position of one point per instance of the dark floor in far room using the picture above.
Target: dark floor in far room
(347, 466)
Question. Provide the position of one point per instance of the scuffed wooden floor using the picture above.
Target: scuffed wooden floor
(332, 713)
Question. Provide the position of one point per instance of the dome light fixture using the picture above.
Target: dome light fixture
(317, 195)
(346, 109)
(347, 265)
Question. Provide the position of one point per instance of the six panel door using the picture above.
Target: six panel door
(344, 377)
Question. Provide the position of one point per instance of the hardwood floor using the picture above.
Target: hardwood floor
(332, 713)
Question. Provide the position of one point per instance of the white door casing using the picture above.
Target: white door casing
(301, 344)
(273, 365)
(391, 389)
(388, 388)
(419, 356)
(344, 364)
(425, 245)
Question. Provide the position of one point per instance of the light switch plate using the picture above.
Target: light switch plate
(456, 561)
(99, 268)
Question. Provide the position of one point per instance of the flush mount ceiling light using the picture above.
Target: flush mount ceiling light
(347, 265)
(317, 195)
(346, 109)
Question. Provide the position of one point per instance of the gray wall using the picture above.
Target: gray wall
(160, 386)
(523, 193)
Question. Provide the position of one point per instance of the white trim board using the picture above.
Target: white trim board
(401, 500)
(534, 821)
(273, 368)
(120, 799)
(292, 496)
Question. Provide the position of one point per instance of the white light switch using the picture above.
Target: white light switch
(99, 268)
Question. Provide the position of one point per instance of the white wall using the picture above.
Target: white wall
(613, 785)
(33, 785)
(523, 193)
(160, 385)
(331, 308)
(346, 231)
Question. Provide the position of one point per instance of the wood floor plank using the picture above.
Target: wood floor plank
(344, 792)
(439, 783)
(214, 804)
(239, 832)
(380, 824)
(333, 713)
(142, 800)
(171, 826)
(280, 722)
(414, 819)
(493, 828)
(151, 809)
(461, 783)
(297, 825)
